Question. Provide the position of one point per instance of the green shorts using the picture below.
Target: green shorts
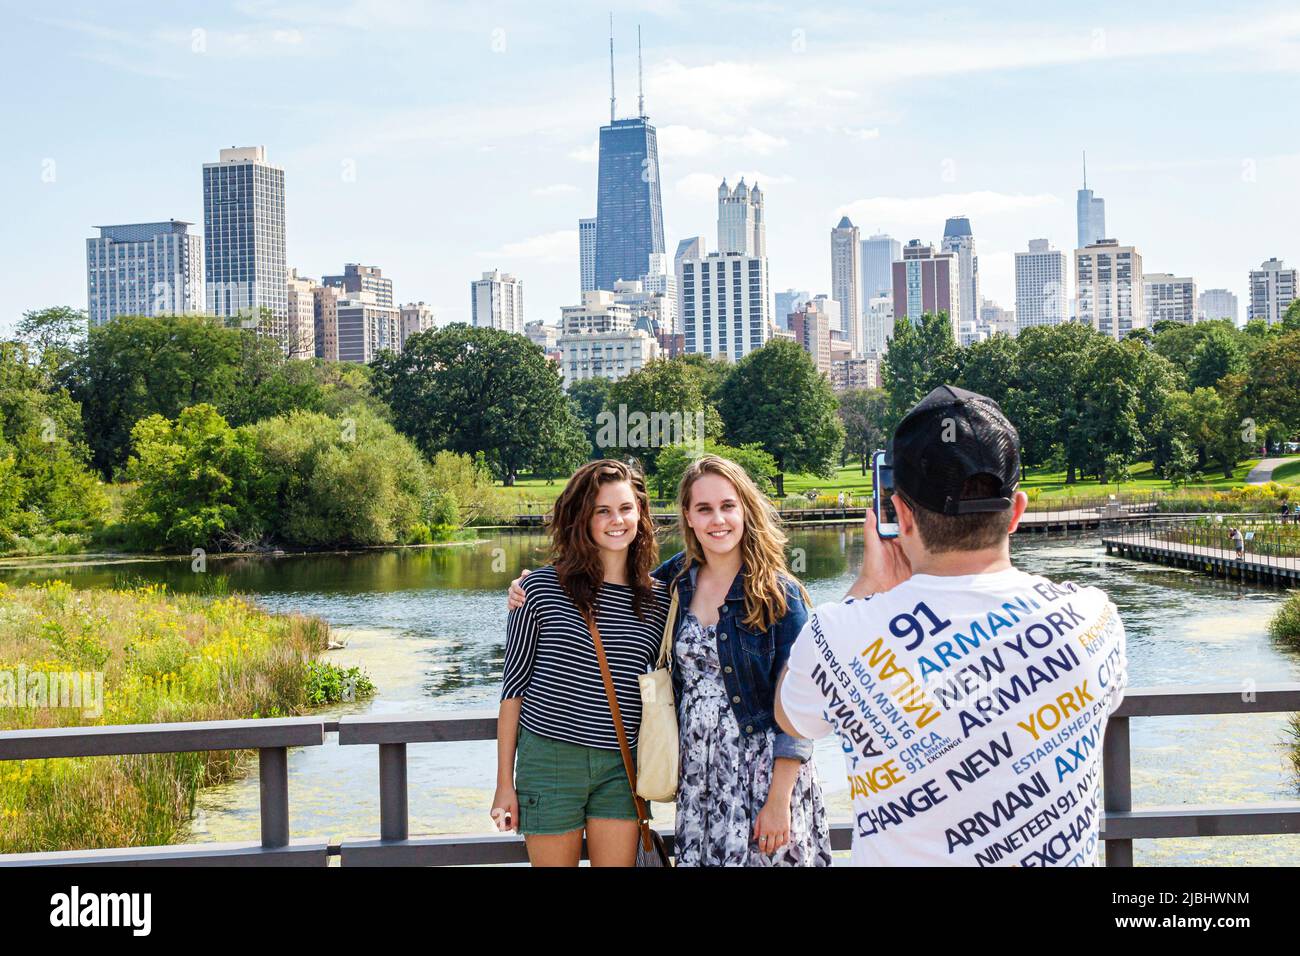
(560, 785)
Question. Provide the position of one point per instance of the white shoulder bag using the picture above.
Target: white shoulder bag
(657, 743)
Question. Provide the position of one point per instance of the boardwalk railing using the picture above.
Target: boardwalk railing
(1121, 825)
(1271, 545)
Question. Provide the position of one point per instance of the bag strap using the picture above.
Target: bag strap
(666, 643)
(643, 818)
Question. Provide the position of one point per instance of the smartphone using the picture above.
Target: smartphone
(882, 491)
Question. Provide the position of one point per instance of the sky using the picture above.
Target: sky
(439, 141)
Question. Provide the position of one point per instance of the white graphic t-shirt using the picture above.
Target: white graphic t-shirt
(971, 712)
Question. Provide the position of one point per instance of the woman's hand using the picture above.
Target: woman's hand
(772, 828)
(515, 598)
(505, 808)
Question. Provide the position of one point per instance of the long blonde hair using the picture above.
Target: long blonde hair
(762, 545)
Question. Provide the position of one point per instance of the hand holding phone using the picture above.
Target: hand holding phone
(882, 492)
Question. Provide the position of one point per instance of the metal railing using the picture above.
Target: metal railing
(1121, 825)
(1270, 545)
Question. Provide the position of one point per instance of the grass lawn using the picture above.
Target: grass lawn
(1049, 484)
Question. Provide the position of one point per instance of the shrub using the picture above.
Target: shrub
(1285, 625)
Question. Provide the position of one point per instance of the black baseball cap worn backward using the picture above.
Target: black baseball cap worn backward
(947, 438)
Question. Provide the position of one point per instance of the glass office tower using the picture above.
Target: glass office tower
(629, 213)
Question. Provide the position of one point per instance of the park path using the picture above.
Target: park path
(1263, 472)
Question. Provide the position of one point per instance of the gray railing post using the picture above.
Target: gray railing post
(273, 774)
(1117, 785)
(393, 811)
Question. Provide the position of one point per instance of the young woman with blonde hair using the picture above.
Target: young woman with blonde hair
(560, 769)
(747, 792)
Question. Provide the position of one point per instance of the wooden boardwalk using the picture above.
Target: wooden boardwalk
(1221, 562)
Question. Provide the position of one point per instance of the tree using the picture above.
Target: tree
(590, 397)
(55, 334)
(1219, 353)
(709, 373)
(136, 366)
(863, 413)
(470, 389)
(991, 367)
(776, 398)
(921, 357)
(1108, 423)
(352, 480)
(660, 404)
(1049, 406)
(1271, 392)
(199, 482)
(758, 464)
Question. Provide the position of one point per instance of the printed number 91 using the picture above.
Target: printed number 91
(905, 624)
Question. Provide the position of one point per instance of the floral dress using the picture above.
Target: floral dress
(724, 778)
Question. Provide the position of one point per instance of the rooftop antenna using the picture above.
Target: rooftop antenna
(1085, 168)
(640, 96)
(611, 67)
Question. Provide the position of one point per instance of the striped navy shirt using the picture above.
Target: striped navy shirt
(551, 660)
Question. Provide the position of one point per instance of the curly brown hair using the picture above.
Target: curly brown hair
(576, 557)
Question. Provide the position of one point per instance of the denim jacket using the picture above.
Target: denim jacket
(752, 661)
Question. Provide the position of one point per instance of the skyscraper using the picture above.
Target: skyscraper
(1272, 290)
(926, 282)
(366, 328)
(415, 317)
(243, 237)
(1040, 286)
(740, 220)
(148, 268)
(1217, 304)
(1108, 288)
(1090, 212)
(960, 241)
(497, 301)
(300, 339)
(787, 302)
(724, 299)
(1168, 298)
(629, 212)
(879, 253)
(359, 278)
(845, 279)
(587, 254)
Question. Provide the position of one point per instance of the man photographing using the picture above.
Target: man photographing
(970, 698)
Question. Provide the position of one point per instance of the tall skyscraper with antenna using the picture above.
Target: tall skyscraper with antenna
(629, 211)
(1091, 213)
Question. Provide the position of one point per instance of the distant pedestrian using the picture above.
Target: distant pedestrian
(1283, 512)
(1238, 542)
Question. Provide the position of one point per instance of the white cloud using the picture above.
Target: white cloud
(561, 246)
(862, 134)
(683, 141)
(587, 154)
(555, 189)
(703, 187)
(896, 212)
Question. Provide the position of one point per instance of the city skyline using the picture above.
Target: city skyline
(405, 184)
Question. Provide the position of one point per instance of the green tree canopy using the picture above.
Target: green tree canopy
(864, 413)
(470, 389)
(922, 356)
(775, 398)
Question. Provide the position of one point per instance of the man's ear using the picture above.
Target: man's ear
(906, 519)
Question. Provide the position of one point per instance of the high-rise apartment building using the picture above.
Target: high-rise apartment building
(1040, 286)
(878, 325)
(811, 328)
(1217, 304)
(845, 280)
(415, 317)
(325, 309)
(1169, 298)
(586, 254)
(359, 278)
(366, 328)
(243, 238)
(662, 280)
(926, 282)
(741, 229)
(300, 327)
(598, 339)
(1272, 290)
(147, 268)
(1108, 288)
(497, 301)
(995, 320)
(960, 242)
